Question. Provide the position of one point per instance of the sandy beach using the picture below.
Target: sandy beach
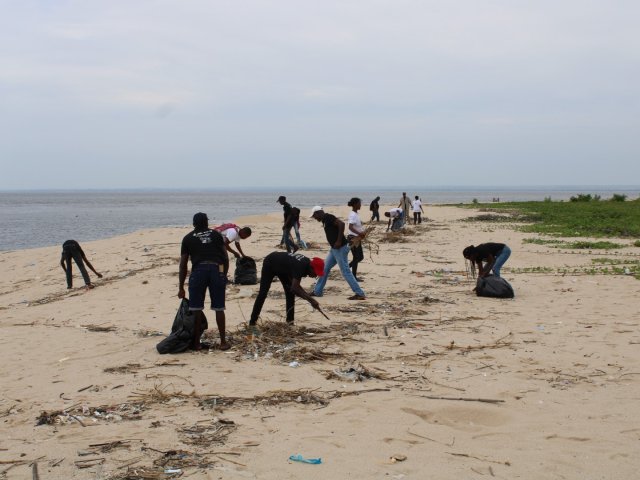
(421, 380)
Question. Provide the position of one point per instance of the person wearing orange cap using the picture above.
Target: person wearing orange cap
(289, 268)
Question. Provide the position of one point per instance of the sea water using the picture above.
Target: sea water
(30, 219)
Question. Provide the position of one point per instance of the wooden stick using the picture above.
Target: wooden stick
(461, 399)
(34, 471)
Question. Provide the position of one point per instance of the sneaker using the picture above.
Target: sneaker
(357, 297)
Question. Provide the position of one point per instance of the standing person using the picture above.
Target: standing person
(334, 231)
(417, 210)
(494, 254)
(396, 219)
(405, 205)
(286, 212)
(289, 268)
(289, 223)
(233, 233)
(72, 249)
(209, 267)
(374, 207)
(355, 235)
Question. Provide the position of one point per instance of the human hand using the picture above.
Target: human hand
(99, 275)
(181, 293)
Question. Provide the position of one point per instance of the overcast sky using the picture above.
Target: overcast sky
(245, 93)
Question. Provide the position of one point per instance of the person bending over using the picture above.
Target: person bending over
(72, 249)
(289, 268)
(487, 257)
(233, 233)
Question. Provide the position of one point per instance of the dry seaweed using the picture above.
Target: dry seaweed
(356, 373)
(214, 433)
(128, 368)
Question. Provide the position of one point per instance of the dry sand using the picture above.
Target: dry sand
(559, 366)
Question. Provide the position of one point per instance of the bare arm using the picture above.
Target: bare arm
(299, 291)
(240, 249)
(340, 224)
(62, 263)
(227, 245)
(182, 274)
(484, 271)
(86, 260)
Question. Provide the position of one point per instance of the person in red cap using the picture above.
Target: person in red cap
(289, 268)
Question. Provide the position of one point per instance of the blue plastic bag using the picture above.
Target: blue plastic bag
(300, 458)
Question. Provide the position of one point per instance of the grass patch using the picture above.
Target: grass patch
(601, 245)
(542, 241)
(573, 219)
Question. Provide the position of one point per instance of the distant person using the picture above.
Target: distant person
(233, 233)
(209, 267)
(338, 253)
(417, 210)
(355, 235)
(289, 268)
(374, 207)
(290, 221)
(396, 219)
(487, 257)
(72, 249)
(405, 205)
(286, 211)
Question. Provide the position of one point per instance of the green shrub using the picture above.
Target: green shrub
(618, 197)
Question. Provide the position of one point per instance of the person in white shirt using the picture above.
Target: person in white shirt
(395, 215)
(355, 235)
(417, 211)
(232, 233)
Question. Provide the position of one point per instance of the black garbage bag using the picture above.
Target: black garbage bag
(246, 272)
(182, 331)
(492, 286)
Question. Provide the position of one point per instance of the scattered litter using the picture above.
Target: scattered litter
(300, 458)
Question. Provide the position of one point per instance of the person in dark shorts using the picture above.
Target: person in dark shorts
(72, 249)
(289, 268)
(209, 267)
(487, 257)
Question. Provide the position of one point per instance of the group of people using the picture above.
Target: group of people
(208, 248)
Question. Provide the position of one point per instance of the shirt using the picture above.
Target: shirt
(290, 265)
(355, 223)
(231, 235)
(286, 209)
(416, 205)
(207, 245)
(485, 249)
(331, 231)
(71, 246)
(395, 212)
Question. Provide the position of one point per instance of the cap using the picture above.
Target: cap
(318, 266)
(315, 209)
(200, 220)
(281, 198)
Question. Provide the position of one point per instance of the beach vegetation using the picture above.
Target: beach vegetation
(636, 243)
(571, 219)
(618, 197)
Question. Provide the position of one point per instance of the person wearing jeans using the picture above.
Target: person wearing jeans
(72, 249)
(487, 257)
(338, 254)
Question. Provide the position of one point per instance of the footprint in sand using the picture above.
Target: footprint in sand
(462, 418)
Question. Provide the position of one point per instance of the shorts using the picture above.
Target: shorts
(203, 276)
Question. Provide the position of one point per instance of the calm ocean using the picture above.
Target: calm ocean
(43, 218)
